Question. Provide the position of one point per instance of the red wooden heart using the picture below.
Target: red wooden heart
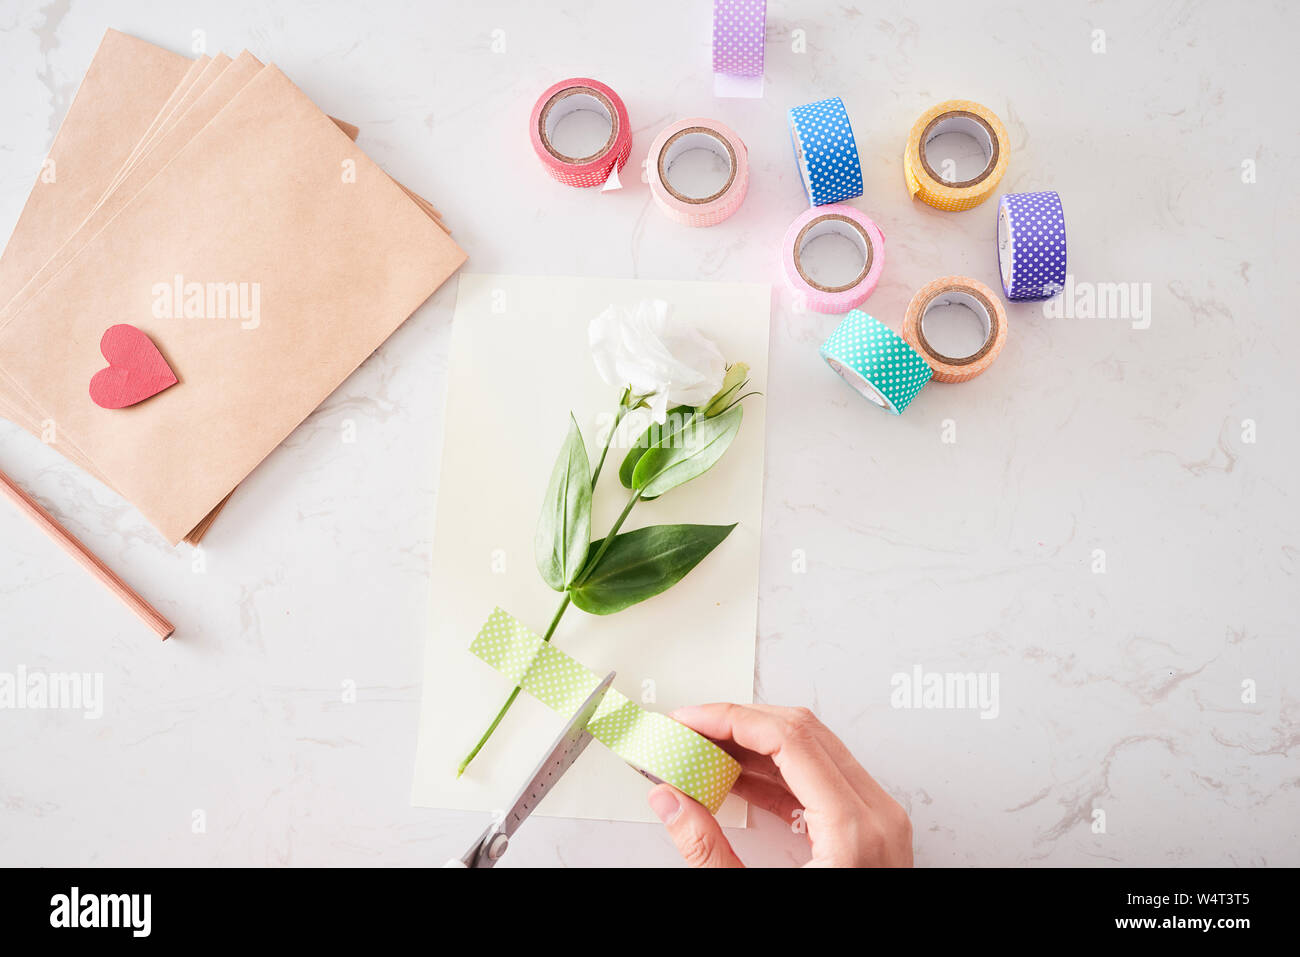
(136, 369)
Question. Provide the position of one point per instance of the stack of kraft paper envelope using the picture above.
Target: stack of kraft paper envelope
(210, 204)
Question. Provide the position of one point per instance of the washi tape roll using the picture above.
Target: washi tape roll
(825, 151)
(921, 170)
(1031, 245)
(570, 96)
(958, 291)
(876, 361)
(839, 220)
(738, 32)
(694, 134)
(659, 747)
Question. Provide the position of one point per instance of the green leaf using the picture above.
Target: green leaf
(564, 529)
(641, 564)
(676, 420)
(686, 454)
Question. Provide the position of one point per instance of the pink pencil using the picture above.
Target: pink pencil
(70, 544)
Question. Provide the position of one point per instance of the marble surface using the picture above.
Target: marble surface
(1160, 448)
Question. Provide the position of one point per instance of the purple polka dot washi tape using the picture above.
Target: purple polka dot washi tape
(738, 30)
(1031, 245)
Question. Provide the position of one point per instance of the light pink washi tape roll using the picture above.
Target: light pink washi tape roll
(694, 134)
(844, 221)
(569, 96)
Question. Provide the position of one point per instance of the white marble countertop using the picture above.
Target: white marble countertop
(1168, 452)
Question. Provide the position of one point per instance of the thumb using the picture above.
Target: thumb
(693, 829)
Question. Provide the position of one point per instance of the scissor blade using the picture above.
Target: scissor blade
(572, 740)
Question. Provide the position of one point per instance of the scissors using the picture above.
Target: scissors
(575, 737)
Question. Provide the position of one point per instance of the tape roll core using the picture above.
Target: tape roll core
(579, 98)
(856, 380)
(839, 225)
(1005, 263)
(973, 125)
(693, 138)
(976, 302)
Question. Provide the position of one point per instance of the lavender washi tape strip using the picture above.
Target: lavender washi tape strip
(738, 30)
(1031, 245)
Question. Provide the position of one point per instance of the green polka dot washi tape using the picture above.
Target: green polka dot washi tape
(653, 743)
(876, 361)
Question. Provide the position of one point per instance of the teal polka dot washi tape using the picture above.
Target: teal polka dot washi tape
(653, 743)
(825, 151)
(876, 361)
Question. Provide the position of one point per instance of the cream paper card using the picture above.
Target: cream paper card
(519, 364)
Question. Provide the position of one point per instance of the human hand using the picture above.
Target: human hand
(794, 767)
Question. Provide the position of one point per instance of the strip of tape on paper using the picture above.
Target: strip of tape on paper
(651, 742)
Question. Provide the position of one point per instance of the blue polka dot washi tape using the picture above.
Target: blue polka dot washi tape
(1031, 245)
(825, 151)
(876, 361)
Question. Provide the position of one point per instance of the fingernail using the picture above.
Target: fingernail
(665, 804)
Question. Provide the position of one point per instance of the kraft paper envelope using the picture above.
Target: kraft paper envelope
(167, 145)
(173, 132)
(98, 133)
(176, 133)
(214, 67)
(168, 110)
(102, 126)
(271, 199)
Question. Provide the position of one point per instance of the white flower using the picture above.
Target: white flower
(646, 349)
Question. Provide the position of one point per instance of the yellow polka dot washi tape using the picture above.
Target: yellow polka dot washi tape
(659, 747)
(956, 291)
(932, 178)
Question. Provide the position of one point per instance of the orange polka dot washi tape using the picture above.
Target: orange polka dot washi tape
(956, 291)
(932, 178)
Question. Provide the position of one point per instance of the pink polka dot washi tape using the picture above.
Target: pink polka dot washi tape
(959, 291)
(678, 203)
(738, 31)
(570, 96)
(1031, 245)
(845, 221)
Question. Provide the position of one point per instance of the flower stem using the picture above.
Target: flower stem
(624, 405)
(595, 559)
(559, 612)
(513, 695)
